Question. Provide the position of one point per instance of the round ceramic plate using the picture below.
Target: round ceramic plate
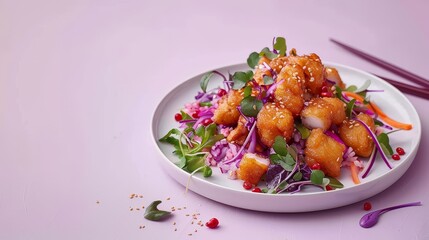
(220, 188)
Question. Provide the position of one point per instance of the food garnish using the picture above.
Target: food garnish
(153, 213)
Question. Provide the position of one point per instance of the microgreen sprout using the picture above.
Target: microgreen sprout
(153, 213)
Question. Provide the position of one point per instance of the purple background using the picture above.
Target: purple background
(79, 81)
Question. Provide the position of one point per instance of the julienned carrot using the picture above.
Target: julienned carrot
(354, 171)
(383, 116)
(388, 120)
(355, 96)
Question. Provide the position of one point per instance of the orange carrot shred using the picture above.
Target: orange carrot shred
(383, 116)
(354, 171)
(390, 121)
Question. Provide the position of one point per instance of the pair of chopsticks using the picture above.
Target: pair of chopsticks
(422, 92)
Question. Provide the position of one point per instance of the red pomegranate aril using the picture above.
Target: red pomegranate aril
(396, 157)
(212, 223)
(221, 92)
(326, 94)
(247, 185)
(367, 206)
(315, 166)
(195, 114)
(328, 188)
(257, 190)
(207, 122)
(178, 117)
(400, 151)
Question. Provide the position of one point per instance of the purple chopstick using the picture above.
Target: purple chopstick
(397, 70)
(419, 92)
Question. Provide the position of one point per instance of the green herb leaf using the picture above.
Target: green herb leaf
(250, 106)
(268, 80)
(364, 86)
(267, 53)
(253, 59)
(168, 138)
(205, 81)
(247, 91)
(240, 79)
(305, 132)
(351, 88)
(200, 132)
(317, 176)
(207, 171)
(334, 183)
(383, 139)
(205, 104)
(287, 162)
(153, 213)
(279, 146)
(349, 108)
(280, 45)
(195, 162)
(338, 92)
(297, 176)
(378, 122)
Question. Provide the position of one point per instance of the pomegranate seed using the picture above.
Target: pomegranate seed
(247, 185)
(326, 94)
(212, 223)
(207, 121)
(328, 188)
(178, 117)
(315, 166)
(256, 189)
(195, 114)
(367, 206)
(400, 151)
(396, 157)
(221, 92)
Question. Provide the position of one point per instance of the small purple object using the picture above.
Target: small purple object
(370, 219)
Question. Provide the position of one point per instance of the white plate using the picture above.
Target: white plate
(219, 188)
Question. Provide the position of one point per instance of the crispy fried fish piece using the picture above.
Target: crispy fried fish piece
(324, 150)
(313, 71)
(238, 134)
(356, 136)
(323, 112)
(333, 75)
(227, 112)
(289, 93)
(272, 121)
(338, 110)
(252, 168)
